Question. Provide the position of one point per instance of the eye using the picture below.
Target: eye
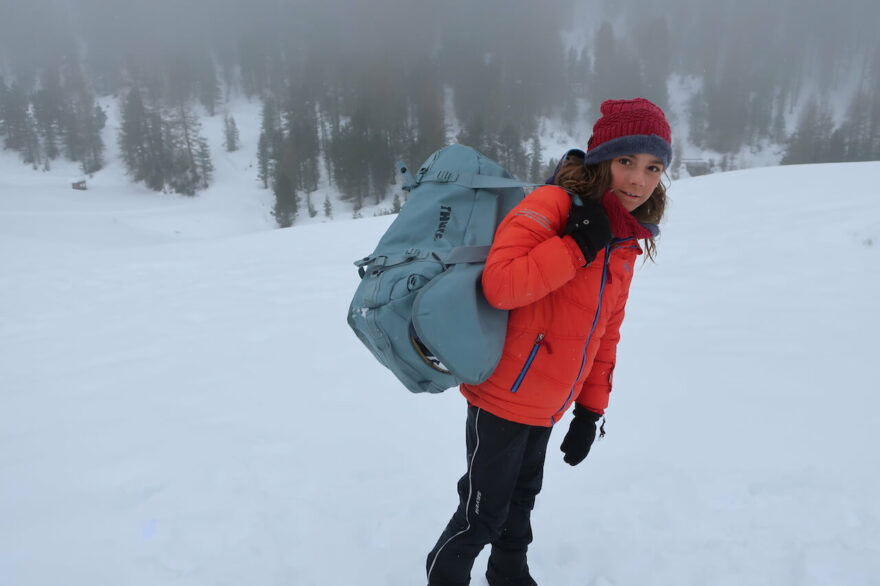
(655, 169)
(624, 161)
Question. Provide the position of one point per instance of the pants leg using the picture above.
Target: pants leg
(495, 450)
(507, 562)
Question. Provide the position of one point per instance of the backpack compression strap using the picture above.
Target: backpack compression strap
(466, 254)
(470, 180)
(476, 181)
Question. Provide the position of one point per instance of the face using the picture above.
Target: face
(634, 178)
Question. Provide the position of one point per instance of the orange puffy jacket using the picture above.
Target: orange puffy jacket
(565, 319)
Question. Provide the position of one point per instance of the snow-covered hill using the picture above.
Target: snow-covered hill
(182, 403)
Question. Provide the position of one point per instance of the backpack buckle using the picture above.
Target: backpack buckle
(408, 180)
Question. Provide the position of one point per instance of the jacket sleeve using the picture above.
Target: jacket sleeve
(528, 258)
(596, 390)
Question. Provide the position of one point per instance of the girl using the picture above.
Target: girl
(563, 270)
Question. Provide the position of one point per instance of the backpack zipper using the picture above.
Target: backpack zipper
(528, 364)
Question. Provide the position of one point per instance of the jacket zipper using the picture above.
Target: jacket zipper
(528, 364)
(590, 335)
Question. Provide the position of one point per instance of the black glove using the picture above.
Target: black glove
(580, 436)
(589, 227)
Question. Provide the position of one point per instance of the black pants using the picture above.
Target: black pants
(496, 497)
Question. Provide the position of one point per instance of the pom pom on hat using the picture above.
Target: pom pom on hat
(629, 127)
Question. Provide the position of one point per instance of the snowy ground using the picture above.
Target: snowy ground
(182, 403)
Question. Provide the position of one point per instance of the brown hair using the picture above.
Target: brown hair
(591, 181)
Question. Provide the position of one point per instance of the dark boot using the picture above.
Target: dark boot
(508, 569)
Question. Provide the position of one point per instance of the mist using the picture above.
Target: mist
(786, 33)
(401, 79)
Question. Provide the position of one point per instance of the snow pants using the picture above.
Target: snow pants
(496, 497)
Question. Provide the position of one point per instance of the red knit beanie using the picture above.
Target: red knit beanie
(629, 127)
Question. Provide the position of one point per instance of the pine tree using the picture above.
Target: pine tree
(21, 128)
(47, 111)
(203, 162)
(208, 85)
(82, 122)
(156, 167)
(862, 127)
(836, 150)
(133, 134)
(474, 134)
(777, 130)
(351, 166)
(381, 163)
(31, 151)
(16, 118)
(92, 158)
(301, 142)
(263, 160)
(191, 168)
(286, 201)
(698, 118)
(536, 163)
(328, 207)
(269, 146)
(150, 143)
(231, 137)
(811, 140)
(100, 117)
(311, 206)
(511, 154)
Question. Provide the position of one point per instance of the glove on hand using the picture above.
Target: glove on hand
(581, 434)
(589, 227)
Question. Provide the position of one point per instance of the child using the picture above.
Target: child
(563, 271)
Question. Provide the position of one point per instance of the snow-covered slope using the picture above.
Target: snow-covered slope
(182, 403)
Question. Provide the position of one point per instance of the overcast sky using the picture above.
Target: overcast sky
(33, 31)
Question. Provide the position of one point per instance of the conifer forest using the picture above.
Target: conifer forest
(347, 87)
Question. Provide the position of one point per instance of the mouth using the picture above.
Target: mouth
(628, 194)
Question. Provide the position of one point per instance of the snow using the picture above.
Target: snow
(182, 402)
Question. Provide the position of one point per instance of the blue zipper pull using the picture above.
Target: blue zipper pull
(528, 363)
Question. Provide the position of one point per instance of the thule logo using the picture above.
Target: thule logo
(445, 216)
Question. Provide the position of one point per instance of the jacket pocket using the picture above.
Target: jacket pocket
(525, 369)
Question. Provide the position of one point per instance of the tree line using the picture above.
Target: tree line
(59, 117)
(344, 98)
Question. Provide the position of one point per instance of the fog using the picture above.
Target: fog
(397, 78)
(787, 32)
